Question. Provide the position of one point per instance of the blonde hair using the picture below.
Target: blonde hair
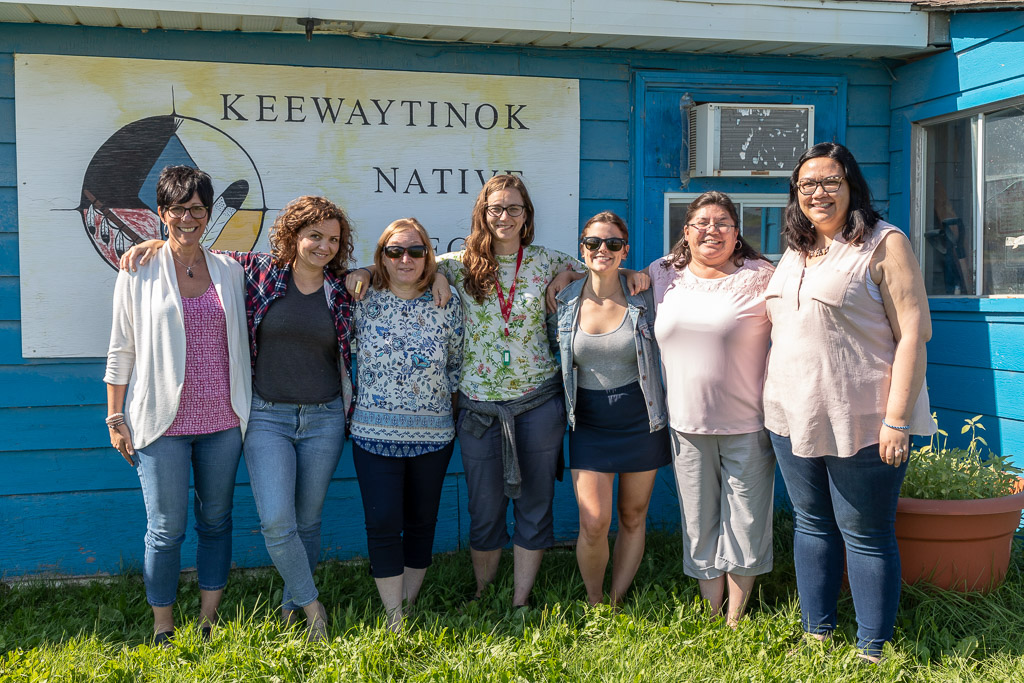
(381, 278)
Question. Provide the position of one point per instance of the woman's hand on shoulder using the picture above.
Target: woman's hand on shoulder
(637, 280)
(441, 289)
(560, 282)
(357, 282)
(139, 255)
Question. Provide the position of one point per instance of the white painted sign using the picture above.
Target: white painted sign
(93, 134)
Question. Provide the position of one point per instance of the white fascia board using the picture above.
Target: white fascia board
(783, 21)
(531, 15)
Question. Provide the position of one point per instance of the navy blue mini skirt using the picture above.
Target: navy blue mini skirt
(612, 432)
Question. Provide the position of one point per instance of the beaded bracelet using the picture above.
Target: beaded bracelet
(115, 420)
(899, 429)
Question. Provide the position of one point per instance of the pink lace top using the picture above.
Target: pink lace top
(714, 338)
(205, 405)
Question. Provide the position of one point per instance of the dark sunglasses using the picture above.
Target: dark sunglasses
(594, 243)
(396, 252)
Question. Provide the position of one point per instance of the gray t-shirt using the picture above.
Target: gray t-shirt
(606, 361)
(298, 343)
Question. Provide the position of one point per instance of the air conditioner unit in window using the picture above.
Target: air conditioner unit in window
(748, 139)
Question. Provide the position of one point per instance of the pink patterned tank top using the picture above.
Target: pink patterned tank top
(205, 405)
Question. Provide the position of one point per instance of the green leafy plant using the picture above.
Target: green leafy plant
(938, 472)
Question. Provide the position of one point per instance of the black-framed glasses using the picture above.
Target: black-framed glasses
(199, 212)
(830, 184)
(414, 251)
(594, 243)
(704, 226)
(513, 210)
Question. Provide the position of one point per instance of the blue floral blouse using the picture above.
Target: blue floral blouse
(408, 364)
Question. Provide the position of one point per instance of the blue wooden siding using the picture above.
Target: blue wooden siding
(67, 500)
(975, 358)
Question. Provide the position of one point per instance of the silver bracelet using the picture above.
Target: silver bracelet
(899, 429)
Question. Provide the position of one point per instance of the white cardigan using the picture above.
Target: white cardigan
(147, 342)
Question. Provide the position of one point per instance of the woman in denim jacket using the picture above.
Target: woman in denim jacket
(615, 404)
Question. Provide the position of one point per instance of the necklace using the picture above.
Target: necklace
(188, 269)
(815, 253)
(603, 298)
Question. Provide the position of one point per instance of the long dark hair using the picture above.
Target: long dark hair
(861, 216)
(680, 255)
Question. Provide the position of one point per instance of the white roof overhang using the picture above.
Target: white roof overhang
(826, 28)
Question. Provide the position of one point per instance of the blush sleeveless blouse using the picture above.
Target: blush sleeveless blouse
(830, 364)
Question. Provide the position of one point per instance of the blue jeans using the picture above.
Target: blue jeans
(400, 501)
(291, 451)
(851, 500)
(164, 467)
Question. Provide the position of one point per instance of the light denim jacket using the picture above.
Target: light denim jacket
(641, 311)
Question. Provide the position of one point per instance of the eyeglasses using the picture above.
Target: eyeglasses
(513, 210)
(830, 185)
(704, 226)
(199, 212)
(594, 243)
(396, 252)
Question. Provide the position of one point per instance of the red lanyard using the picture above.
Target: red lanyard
(506, 305)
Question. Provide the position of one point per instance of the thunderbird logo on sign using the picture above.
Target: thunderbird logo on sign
(118, 203)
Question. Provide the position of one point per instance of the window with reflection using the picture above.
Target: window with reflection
(973, 232)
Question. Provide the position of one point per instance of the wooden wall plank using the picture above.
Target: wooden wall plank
(8, 253)
(604, 100)
(976, 390)
(869, 144)
(604, 140)
(604, 179)
(6, 72)
(868, 105)
(7, 123)
(8, 209)
(977, 342)
(8, 165)
(52, 385)
(10, 298)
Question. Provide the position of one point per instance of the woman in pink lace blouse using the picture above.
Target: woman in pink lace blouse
(713, 332)
(178, 393)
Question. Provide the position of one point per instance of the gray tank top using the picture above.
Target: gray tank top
(606, 361)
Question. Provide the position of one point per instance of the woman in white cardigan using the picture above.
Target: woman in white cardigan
(179, 355)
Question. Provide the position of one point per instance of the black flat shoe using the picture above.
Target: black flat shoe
(164, 639)
(205, 632)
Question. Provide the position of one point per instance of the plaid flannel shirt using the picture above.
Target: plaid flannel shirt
(265, 281)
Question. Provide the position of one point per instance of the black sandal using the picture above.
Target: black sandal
(164, 639)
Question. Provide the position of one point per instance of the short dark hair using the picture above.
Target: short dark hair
(177, 184)
(861, 216)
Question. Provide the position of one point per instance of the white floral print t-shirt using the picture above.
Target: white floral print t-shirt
(408, 358)
(485, 374)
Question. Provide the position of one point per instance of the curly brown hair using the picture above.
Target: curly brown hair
(680, 255)
(381, 279)
(479, 261)
(301, 213)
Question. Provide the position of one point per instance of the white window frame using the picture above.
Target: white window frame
(919, 179)
(770, 200)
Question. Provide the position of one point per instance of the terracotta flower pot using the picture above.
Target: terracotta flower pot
(959, 545)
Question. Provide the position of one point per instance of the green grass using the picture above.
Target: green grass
(101, 630)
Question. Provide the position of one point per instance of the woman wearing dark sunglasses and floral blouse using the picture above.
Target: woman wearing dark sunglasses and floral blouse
(615, 403)
(408, 363)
